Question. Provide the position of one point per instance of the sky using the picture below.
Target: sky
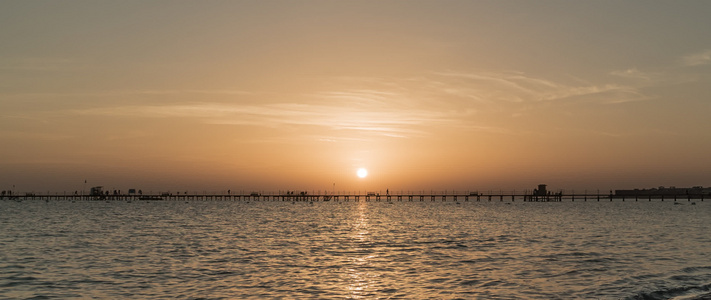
(210, 96)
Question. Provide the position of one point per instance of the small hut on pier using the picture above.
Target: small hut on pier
(541, 194)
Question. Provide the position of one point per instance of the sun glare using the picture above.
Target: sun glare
(362, 172)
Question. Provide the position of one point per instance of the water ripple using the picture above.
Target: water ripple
(355, 250)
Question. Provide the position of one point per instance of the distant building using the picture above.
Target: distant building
(541, 194)
(541, 191)
(96, 191)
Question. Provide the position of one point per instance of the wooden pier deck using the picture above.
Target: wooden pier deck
(351, 197)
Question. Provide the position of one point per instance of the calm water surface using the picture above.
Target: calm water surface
(368, 250)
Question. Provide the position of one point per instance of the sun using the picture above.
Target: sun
(362, 172)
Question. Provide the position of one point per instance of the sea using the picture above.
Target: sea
(355, 250)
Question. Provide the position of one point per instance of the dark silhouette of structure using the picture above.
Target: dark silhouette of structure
(541, 194)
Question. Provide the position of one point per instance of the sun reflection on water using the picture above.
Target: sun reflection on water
(358, 276)
(360, 227)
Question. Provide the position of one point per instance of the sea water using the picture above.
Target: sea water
(355, 250)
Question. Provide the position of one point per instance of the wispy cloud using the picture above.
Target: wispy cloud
(634, 73)
(517, 87)
(364, 114)
(593, 132)
(188, 91)
(374, 107)
(697, 59)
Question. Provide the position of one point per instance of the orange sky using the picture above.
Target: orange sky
(427, 95)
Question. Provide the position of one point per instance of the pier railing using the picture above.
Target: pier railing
(349, 197)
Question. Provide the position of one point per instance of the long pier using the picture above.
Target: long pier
(350, 197)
